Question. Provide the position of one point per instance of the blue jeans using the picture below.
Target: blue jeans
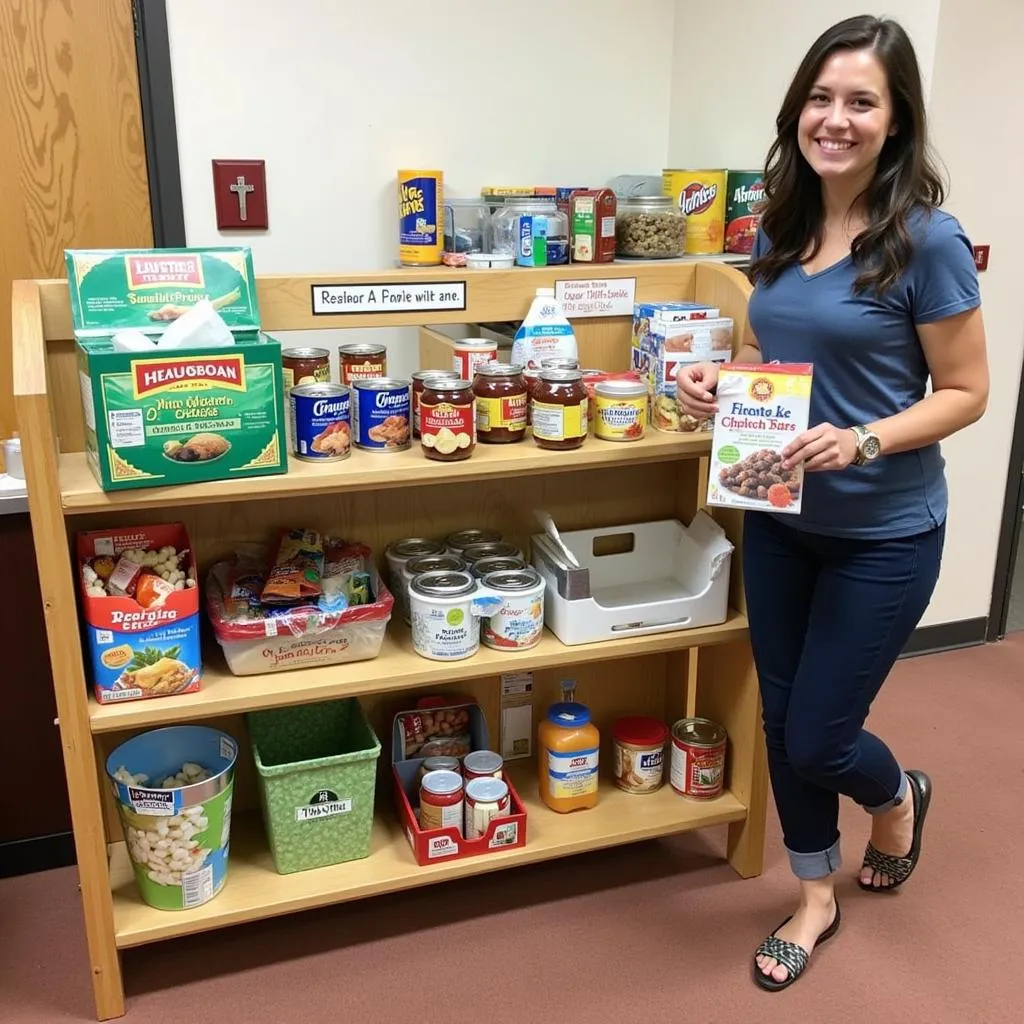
(829, 616)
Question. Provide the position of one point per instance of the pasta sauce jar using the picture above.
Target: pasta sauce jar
(447, 419)
(441, 800)
(439, 764)
(486, 799)
(304, 366)
(362, 361)
(419, 382)
(559, 410)
(480, 764)
(501, 403)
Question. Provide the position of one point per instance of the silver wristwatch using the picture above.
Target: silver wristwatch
(868, 446)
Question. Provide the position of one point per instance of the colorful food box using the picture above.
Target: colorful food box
(761, 409)
(644, 314)
(178, 415)
(672, 344)
(144, 643)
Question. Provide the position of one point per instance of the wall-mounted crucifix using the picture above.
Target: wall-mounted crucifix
(240, 194)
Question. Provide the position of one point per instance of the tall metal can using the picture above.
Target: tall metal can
(700, 196)
(420, 218)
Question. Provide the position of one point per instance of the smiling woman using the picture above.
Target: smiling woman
(857, 271)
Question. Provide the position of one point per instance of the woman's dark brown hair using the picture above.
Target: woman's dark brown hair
(906, 175)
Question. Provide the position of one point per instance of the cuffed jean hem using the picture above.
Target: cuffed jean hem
(810, 866)
(896, 800)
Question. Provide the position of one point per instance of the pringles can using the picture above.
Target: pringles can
(420, 218)
(700, 196)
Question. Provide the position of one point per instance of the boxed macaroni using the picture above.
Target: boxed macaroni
(761, 409)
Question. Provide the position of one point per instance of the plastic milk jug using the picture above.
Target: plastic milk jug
(544, 333)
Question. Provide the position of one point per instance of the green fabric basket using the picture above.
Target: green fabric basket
(317, 766)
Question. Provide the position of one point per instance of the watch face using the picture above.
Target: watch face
(871, 447)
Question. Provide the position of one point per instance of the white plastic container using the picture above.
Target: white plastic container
(446, 611)
(673, 577)
(519, 623)
(544, 333)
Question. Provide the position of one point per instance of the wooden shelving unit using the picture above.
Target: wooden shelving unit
(378, 499)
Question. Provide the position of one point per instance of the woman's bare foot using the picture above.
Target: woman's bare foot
(892, 833)
(817, 910)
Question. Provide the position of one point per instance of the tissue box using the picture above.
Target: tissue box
(183, 414)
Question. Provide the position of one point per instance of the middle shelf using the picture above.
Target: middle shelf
(397, 667)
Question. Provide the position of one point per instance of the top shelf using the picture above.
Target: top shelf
(368, 471)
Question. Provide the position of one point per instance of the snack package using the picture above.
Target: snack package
(298, 567)
(437, 727)
(760, 410)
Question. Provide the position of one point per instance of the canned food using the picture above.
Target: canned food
(420, 218)
(490, 549)
(518, 624)
(414, 567)
(419, 380)
(457, 542)
(639, 753)
(480, 764)
(620, 410)
(439, 764)
(362, 361)
(745, 203)
(495, 563)
(469, 353)
(486, 799)
(320, 422)
(700, 196)
(305, 366)
(400, 551)
(441, 803)
(698, 758)
(381, 414)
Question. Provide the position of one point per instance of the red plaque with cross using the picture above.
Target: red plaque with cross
(240, 194)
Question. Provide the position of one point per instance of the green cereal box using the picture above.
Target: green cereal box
(149, 288)
(179, 415)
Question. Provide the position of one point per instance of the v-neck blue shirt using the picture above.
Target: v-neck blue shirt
(868, 364)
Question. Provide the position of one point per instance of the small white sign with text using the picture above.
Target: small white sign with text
(595, 297)
(388, 297)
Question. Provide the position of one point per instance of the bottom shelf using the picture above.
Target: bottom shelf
(254, 890)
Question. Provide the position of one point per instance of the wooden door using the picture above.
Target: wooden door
(72, 174)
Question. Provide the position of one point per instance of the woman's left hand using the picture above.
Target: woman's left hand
(821, 447)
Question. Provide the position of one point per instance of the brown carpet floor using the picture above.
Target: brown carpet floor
(659, 932)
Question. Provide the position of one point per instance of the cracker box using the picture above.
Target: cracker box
(674, 343)
(760, 410)
(137, 649)
(645, 312)
(184, 414)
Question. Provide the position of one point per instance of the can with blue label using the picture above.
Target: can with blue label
(321, 422)
(420, 218)
(382, 414)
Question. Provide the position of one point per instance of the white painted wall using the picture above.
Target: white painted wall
(335, 102)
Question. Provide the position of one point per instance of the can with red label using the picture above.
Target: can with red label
(698, 758)
(745, 202)
(447, 419)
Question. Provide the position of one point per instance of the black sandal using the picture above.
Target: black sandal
(789, 955)
(899, 869)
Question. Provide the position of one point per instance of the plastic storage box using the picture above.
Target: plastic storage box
(657, 577)
(317, 766)
(301, 637)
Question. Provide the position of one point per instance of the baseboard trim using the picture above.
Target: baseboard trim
(24, 856)
(946, 636)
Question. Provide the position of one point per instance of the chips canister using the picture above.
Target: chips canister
(420, 218)
(745, 202)
(700, 196)
(698, 758)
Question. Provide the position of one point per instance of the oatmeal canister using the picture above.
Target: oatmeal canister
(381, 414)
(320, 422)
(639, 753)
(698, 758)
(700, 197)
(745, 202)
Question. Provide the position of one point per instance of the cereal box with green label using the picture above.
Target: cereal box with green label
(761, 409)
(178, 384)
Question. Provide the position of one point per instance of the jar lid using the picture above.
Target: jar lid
(499, 370)
(410, 546)
(434, 563)
(496, 563)
(641, 731)
(362, 348)
(621, 388)
(559, 376)
(463, 538)
(441, 763)
(489, 549)
(486, 790)
(448, 384)
(442, 782)
(559, 363)
(443, 583)
(662, 202)
(305, 353)
(568, 714)
(483, 761)
(424, 374)
(698, 731)
(512, 579)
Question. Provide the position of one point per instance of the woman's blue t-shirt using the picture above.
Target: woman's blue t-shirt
(868, 364)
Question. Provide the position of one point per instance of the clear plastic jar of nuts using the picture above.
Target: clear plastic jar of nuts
(650, 228)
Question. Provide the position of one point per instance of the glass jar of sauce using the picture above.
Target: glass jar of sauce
(363, 360)
(559, 410)
(447, 419)
(501, 403)
(419, 381)
(304, 366)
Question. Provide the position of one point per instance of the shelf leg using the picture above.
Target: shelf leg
(728, 694)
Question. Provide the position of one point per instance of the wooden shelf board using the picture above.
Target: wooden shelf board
(397, 667)
(366, 471)
(255, 891)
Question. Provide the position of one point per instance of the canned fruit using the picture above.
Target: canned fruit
(420, 217)
(700, 197)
